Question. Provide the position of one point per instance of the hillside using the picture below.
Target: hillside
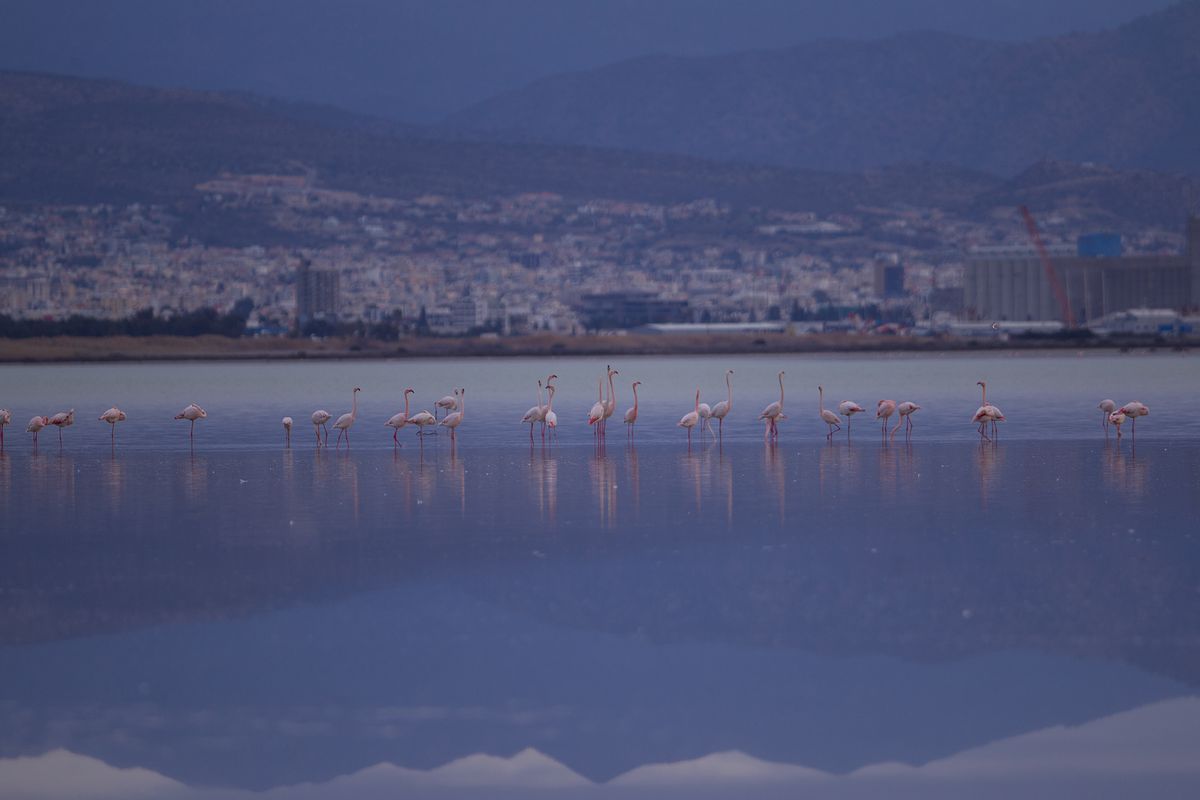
(67, 140)
(1124, 97)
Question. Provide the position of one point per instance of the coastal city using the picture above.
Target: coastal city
(310, 260)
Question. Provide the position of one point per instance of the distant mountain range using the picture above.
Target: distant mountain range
(72, 140)
(1126, 97)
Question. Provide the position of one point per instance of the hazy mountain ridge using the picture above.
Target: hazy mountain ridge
(1124, 97)
(67, 140)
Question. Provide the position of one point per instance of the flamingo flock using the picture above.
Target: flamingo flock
(987, 417)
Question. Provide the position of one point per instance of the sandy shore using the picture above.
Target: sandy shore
(171, 348)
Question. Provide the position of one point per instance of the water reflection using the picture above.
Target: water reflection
(286, 617)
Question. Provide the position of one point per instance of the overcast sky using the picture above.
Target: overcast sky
(420, 60)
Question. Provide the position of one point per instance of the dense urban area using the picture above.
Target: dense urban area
(440, 265)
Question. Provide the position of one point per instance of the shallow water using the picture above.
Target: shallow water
(489, 618)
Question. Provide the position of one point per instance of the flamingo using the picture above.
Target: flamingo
(422, 419)
(546, 408)
(287, 431)
(455, 418)
(35, 425)
(987, 413)
(63, 419)
(722, 409)
(1133, 411)
(5, 419)
(1118, 418)
(1106, 407)
(550, 418)
(400, 420)
(610, 406)
(342, 426)
(112, 417)
(883, 411)
(320, 419)
(706, 417)
(848, 408)
(631, 414)
(192, 413)
(535, 414)
(774, 412)
(596, 414)
(447, 403)
(828, 417)
(691, 419)
(905, 410)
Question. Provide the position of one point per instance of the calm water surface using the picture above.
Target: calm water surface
(495, 618)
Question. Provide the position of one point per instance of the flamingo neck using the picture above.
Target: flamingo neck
(984, 387)
(821, 398)
(550, 399)
(406, 405)
(697, 401)
(729, 391)
(354, 404)
(780, 392)
(611, 395)
(635, 400)
(539, 394)
(462, 406)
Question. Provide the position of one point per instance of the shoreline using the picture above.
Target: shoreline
(59, 350)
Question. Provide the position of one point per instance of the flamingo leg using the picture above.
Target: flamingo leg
(192, 431)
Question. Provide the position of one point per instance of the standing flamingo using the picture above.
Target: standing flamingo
(774, 412)
(320, 419)
(883, 411)
(1118, 418)
(63, 419)
(112, 417)
(706, 417)
(422, 419)
(535, 414)
(987, 413)
(1133, 411)
(35, 426)
(691, 419)
(631, 414)
(551, 418)
(342, 426)
(400, 420)
(848, 408)
(5, 419)
(828, 417)
(1106, 407)
(454, 419)
(610, 406)
(596, 413)
(447, 403)
(287, 431)
(192, 413)
(905, 410)
(722, 409)
(549, 383)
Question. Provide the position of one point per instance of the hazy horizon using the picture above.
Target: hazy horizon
(419, 62)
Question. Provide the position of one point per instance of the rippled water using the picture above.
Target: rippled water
(499, 619)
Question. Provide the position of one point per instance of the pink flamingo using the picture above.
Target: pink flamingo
(35, 426)
(722, 409)
(192, 413)
(1106, 407)
(345, 421)
(596, 413)
(5, 419)
(631, 414)
(551, 418)
(549, 383)
(848, 408)
(447, 403)
(63, 419)
(690, 419)
(987, 413)
(398, 421)
(320, 419)
(610, 406)
(535, 414)
(112, 417)
(774, 412)
(883, 411)
(828, 417)
(1118, 418)
(454, 419)
(1133, 411)
(905, 410)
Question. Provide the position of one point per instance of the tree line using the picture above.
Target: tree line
(199, 322)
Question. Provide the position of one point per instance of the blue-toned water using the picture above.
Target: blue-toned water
(491, 618)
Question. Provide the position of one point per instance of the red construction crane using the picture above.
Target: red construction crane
(1060, 294)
